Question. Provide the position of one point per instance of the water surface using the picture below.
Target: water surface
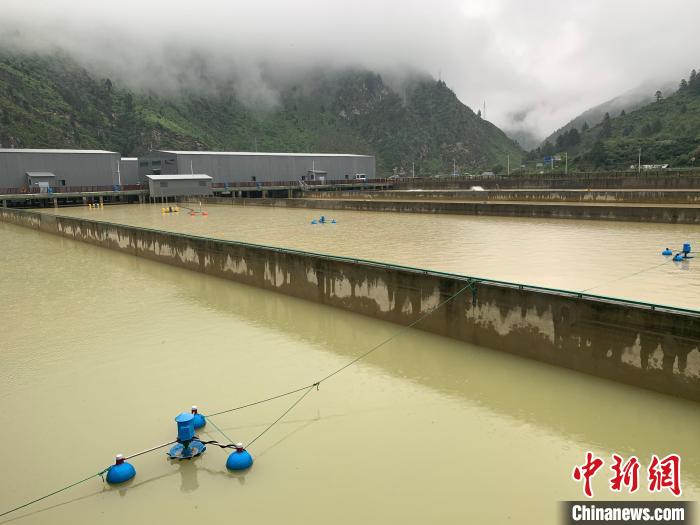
(100, 350)
(617, 259)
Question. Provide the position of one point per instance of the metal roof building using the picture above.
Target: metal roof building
(257, 167)
(70, 167)
(195, 185)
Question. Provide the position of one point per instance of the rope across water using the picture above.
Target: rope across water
(307, 389)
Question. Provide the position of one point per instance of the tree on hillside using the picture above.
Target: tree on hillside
(694, 82)
(606, 127)
(683, 85)
(568, 139)
(478, 113)
(623, 113)
(584, 127)
(659, 96)
(597, 156)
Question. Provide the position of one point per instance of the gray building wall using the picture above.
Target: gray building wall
(89, 168)
(129, 169)
(258, 167)
(179, 188)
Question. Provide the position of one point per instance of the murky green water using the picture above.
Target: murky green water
(100, 350)
(617, 259)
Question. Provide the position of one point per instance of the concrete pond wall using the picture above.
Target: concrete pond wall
(663, 179)
(652, 347)
(668, 197)
(612, 212)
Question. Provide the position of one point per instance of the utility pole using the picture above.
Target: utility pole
(566, 163)
(508, 164)
(639, 161)
(413, 169)
(454, 168)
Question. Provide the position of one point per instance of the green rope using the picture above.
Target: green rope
(471, 285)
(55, 492)
(284, 414)
(307, 389)
(220, 431)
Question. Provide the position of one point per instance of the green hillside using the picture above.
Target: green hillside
(667, 131)
(53, 102)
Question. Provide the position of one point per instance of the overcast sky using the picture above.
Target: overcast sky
(536, 63)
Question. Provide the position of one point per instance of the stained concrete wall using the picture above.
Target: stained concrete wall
(633, 213)
(647, 346)
(668, 197)
(595, 180)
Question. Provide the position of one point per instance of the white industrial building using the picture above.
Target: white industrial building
(194, 185)
(58, 167)
(232, 167)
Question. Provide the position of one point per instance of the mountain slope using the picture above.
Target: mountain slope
(628, 101)
(53, 102)
(667, 131)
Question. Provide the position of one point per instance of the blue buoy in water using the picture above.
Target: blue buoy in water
(686, 248)
(199, 419)
(678, 257)
(240, 459)
(667, 251)
(120, 472)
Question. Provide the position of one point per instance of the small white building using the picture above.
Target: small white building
(196, 185)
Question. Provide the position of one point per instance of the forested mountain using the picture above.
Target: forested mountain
(666, 130)
(627, 102)
(52, 102)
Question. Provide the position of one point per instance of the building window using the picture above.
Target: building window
(163, 184)
(253, 179)
(347, 176)
(155, 163)
(143, 164)
(170, 161)
(202, 183)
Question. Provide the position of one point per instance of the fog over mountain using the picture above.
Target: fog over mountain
(536, 64)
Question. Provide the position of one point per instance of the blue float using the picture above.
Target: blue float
(678, 257)
(199, 419)
(120, 472)
(240, 459)
(686, 248)
(322, 220)
(667, 251)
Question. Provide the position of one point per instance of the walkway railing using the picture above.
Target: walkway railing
(36, 190)
(295, 183)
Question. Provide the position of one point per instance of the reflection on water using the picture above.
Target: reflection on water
(101, 350)
(619, 259)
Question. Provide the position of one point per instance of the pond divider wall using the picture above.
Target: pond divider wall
(635, 343)
(613, 212)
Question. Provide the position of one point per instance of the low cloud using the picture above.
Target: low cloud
(536, 64)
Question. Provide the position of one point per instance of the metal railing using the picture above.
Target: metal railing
(295, 183)
(36, 190)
